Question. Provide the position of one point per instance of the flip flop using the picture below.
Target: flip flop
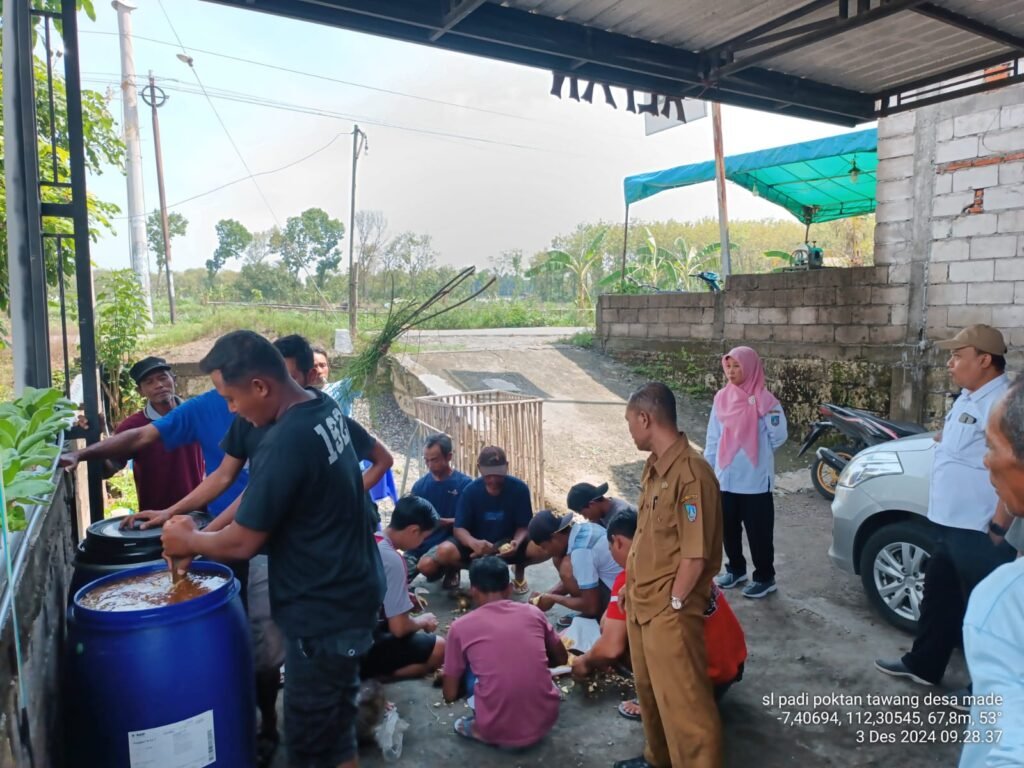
(464, 728)
(520, 587)
(452, 580)
(626, 713)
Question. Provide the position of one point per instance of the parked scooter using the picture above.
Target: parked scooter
(860, 428)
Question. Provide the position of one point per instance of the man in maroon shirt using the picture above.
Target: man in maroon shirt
(162, 477)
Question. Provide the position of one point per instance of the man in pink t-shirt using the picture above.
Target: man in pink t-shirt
(500, 654)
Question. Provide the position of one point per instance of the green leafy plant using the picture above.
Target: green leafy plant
(28, 450)
(121, 322)
(580, 265)
(657, 268)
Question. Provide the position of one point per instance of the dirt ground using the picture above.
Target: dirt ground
(815, 636)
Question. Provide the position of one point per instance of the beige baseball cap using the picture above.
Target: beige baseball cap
(983, 338)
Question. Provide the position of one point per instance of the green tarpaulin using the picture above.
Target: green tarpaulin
(816, 181)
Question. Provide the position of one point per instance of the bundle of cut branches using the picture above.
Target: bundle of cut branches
(404, 316)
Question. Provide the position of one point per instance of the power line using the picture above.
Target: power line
(191, 65)
(245, 98)
(285, 167)
(340, 81)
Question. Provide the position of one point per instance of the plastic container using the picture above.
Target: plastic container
(107, 549)
(165, 687)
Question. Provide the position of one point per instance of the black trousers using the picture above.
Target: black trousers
(961, 560)
(756, 513)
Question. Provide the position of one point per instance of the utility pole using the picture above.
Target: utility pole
(133, 153)
(359, 143)
(723, 213)
(156, 97)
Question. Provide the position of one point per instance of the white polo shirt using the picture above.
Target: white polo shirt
(960, 494)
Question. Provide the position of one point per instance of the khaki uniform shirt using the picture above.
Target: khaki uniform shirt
(680, 517)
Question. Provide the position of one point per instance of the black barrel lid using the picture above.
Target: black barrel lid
(107, 538)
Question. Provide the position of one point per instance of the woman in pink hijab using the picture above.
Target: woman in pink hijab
(746, 427)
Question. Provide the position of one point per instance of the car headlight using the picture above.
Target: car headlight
(865, 467)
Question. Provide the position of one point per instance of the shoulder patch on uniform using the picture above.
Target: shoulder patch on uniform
(691, 511)
(776, 419)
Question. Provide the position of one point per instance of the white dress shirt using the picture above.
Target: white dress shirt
(960, 494)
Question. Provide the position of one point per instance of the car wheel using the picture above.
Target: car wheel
(824, 477)
(892, 566)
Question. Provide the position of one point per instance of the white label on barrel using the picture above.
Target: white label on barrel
(185, 744)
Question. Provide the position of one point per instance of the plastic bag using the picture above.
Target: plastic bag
(390, 733)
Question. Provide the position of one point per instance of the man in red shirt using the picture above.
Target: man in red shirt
(723, 636)
(162, 477)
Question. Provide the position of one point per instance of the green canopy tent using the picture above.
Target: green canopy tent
(821, 180)
(816, 181)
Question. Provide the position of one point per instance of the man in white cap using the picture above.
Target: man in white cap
(961, 504)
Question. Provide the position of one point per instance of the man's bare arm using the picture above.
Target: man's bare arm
(381, 461)
(122, 446)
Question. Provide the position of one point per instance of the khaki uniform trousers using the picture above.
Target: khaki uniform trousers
(670, 669)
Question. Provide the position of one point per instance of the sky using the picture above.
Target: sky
(474, 152)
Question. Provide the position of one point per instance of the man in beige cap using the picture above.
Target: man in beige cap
(961, 504)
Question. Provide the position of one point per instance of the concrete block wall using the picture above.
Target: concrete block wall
(824, 335)
(950, 216)
(949, 252)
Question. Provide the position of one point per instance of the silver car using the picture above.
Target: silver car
(879, 525)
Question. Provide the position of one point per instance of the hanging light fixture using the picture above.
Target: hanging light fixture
(754, 192)
(854, 172)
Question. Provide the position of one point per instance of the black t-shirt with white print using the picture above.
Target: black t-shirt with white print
(306, 490)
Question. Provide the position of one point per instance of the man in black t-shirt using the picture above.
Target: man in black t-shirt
(305, 504)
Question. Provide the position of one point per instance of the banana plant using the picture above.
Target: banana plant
(580, 265)
(658, 268)
(28, 430)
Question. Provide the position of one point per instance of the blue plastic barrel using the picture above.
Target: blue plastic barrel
(166, 687)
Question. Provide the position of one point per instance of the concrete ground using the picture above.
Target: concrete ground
(815, 636)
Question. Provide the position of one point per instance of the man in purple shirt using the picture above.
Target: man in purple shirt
(501, 653)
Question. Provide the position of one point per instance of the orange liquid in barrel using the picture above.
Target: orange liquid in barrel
(150, 590)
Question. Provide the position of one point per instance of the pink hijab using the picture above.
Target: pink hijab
(741, 407)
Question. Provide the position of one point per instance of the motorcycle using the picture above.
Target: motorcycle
(860, 429)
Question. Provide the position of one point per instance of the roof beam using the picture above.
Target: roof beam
(971, 25)
(530, 39)
(457, 11)
(769, 26)
(838, 27)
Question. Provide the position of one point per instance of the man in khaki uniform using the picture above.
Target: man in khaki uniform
(676, 553)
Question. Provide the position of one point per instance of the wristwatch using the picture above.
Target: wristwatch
(677, 603)
(997, 529)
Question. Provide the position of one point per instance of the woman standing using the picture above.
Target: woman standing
(746, 427)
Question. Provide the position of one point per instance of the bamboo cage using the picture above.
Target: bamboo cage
(492, 417)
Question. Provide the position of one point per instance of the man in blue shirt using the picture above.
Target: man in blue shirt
(203, 419)
(961, 504)
(994, 624)
(442, 486)
(492, 518)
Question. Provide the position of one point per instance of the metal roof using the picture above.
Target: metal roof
(843, 61)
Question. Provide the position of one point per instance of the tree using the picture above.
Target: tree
(260, 247)
(370, 232)
(177, 226)
(265, 281)
(232, 240)
(310, 240)
(120, 325)
(408, 255)
(579, 264)
(508, 267)
(103, 147)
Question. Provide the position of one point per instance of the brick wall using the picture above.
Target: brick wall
(949, 252)
(950, 220)
(824, 335)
